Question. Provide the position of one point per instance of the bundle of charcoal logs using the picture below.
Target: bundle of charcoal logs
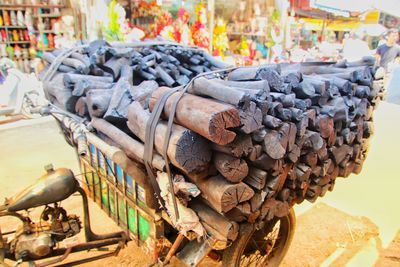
(255, 140)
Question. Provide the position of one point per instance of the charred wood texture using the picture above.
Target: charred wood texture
(255, 140)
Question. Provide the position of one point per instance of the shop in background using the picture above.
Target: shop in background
(28, 28)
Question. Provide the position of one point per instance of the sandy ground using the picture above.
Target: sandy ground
(355, 225)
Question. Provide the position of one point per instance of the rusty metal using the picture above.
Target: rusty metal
(173, 249)
(52, 187)
(89, 235)
(14, 214)
(54, 261)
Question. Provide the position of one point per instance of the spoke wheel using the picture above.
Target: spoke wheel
(261, 247)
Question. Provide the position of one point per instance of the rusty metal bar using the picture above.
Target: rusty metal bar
(173, 249)
(54, 261)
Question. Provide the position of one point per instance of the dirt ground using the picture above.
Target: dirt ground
(349, 227)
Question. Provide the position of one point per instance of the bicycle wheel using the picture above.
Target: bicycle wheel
(261, 247)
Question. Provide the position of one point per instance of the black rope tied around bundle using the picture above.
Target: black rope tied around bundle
(150, 134)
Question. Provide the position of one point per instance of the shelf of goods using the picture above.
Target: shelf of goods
(26, 30)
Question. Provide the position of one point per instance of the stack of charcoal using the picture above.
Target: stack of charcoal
(254, 140)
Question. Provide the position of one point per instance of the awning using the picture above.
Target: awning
(371, 29)
(334, 25)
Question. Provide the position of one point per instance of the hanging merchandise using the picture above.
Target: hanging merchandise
(182, 32)
(13, 18)
(116, 13)
(26, 35)
(10, 51)
(244, 47)
(50, 37)
(28, 18)
(1, 21)
(145, 9)
(15, 36)
(199, 33)
(6, 18)
(32, 51)
(17, 51)
(220, 38)
(3, 51)
(162, 20)
(25, 53)
(4, 35)
(45, 41)
(20, 18)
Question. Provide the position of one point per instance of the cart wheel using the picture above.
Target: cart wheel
(264, 247)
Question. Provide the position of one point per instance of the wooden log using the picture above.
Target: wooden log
(323, 152)
(273, 77)
(256, 178)
(267, 163)
(81, 107)
(311, 159)
(313, 140)
(117, 111)
(320, 84)
(213, 221)
(257, 200)
(98, 102)
(60, 94)
(205, 87)
(206, 117)
(275, 109)
(272, 122)
(49, 57)
(303, 172)
(256, 152)
(276, 182)
(272, 145)
(143, 92)
(221, 195)
(250, 118)
(294, 154)
(186, 150)
(74, 63)
(133, 148)
(252, 85)
(324, 125)
(164, 76)
(215, 62)
(81, 57)
(83, 86)
(249, 73)
(259, 135)
(70, 79)
(240, 213)
(240, 147)
(340, 153)
(233, 169)
(304, 91)
(294, 78)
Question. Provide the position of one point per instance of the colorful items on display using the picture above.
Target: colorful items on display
(220, 38)
(112, 29)
(200, 35)
(26, 32)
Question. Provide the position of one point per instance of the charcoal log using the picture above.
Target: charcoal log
(214, 222)
(186, 150)
(206, 117)
(233, 169)
(133, 148)
(222, 195)
(205, 87)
